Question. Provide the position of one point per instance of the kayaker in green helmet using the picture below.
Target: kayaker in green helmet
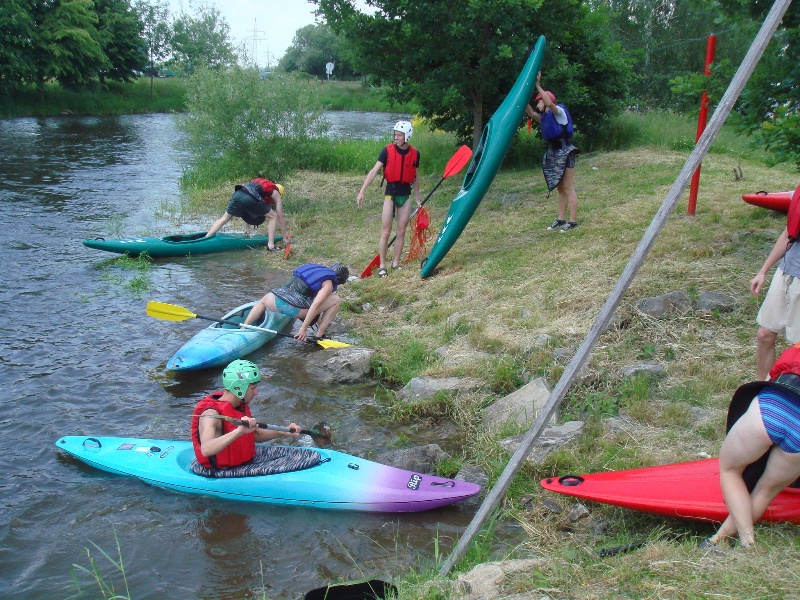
(254, 203)
(399, 161)
(309, 295)
(558, 163)
(219, 444)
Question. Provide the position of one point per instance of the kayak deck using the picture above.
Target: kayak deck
(180, 244)
(218, 344)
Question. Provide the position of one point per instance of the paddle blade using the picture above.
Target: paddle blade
(168, 312)
(331, 344)
(371, 267)
(458, 161)
(321, 432)
(288, 246)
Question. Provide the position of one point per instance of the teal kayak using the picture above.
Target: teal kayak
(220, 343)
(180, 245)
(339, 481)
(486, 160)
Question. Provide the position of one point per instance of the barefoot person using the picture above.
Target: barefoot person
(769, 426)
(309, 295)
(399, 161)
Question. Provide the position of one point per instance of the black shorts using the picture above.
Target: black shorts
(247, 208)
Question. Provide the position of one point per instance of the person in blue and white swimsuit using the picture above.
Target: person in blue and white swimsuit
(764, 433)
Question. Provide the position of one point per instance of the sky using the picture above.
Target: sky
(266, 27)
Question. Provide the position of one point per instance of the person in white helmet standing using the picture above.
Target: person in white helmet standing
(399, 161)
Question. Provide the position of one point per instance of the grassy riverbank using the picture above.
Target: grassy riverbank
(167, 94)
(507, 281)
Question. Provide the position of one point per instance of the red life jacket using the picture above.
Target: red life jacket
(400, 168)
(788, 361)
(240, 450)
(267, 187)
(793, 222)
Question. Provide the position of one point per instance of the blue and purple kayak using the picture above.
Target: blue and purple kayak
(341, 481)
(218, 344)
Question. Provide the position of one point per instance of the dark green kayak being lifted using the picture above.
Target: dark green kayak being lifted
(486, 160)
(180, 245)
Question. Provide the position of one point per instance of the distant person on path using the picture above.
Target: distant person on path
(780, 311)
(558, 164)
(254, 203)
(329, 68)
(399, 161)
(219, 444)
(770, 425)
(310, 292)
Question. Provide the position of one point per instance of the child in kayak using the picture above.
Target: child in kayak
(254, 203)
(399, 161)
(308, 295)
(219, 444)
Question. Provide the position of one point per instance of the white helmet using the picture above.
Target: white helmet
(405, 127)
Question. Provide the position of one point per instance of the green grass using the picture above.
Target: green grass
(114, 99)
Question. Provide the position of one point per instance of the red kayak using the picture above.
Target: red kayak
(773, 201)
(687, 490)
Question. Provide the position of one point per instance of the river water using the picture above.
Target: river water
(79, 356)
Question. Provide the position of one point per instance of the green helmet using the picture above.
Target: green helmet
(238, 375)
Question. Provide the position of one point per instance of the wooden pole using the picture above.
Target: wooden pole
(711, 46)
(604, 317)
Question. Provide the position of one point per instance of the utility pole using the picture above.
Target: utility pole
(253, 42)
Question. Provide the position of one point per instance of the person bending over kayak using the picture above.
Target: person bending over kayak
(558, 163)
(254, 203)
(221, 445)
(769, 426)
(310, 292)
(399, 161)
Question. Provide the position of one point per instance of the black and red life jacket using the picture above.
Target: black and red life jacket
(401, 168)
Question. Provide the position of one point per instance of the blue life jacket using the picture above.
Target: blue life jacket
(314, 276)
(552, 130)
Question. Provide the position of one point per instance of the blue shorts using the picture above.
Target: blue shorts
(285, 308)
(780, 413)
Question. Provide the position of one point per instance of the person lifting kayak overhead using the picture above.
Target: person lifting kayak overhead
(399, 161)
(558, 163)
(254, 203)
(219, 444)
(309, 294)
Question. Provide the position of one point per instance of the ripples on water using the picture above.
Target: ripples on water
(80, 357)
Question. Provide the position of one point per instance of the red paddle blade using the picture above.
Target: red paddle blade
(371, 266)
(288, 246)
(458, 161)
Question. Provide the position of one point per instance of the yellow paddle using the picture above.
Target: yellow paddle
(172, 312)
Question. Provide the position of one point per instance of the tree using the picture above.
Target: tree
(120, 35)
(156, 34)
(457, 60)
(666, 40)
(769, 106)
(312, 47)
(65, 43)
(16, 41)
(200, 41)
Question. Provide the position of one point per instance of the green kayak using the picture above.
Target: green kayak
(180, 245)
(487, 158)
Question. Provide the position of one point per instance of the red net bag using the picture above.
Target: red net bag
(422, 233)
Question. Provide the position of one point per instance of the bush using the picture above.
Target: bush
(239, 125)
